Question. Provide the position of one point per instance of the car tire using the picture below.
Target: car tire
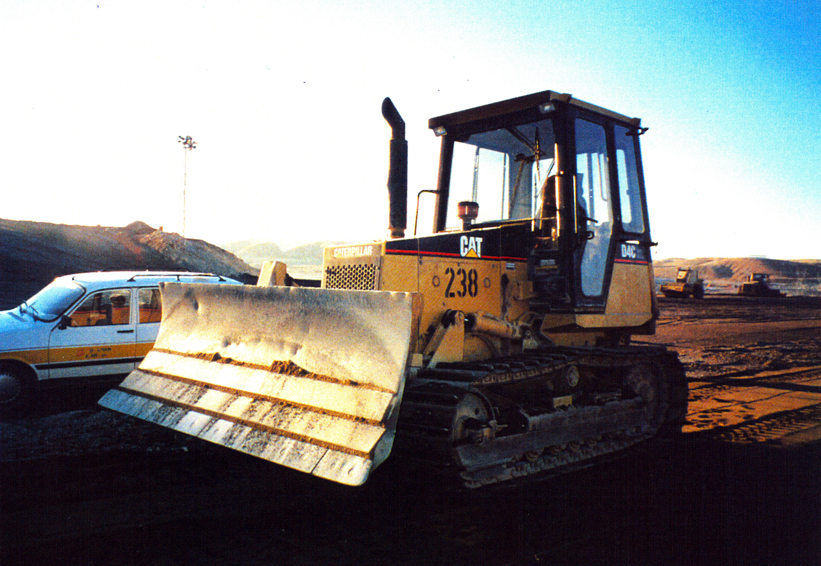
(15, 388)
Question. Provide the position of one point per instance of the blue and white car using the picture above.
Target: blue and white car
(82, 327)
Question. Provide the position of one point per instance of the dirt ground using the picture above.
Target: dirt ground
(742, 485)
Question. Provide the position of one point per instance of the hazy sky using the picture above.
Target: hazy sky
(283, 100)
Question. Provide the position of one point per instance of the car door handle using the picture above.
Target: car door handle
(131, 331)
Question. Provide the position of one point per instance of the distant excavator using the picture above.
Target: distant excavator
(499, 346)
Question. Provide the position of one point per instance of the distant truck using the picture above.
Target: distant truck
(758, 285)
(687, 283)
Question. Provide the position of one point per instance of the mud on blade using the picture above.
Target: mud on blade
(307, 378)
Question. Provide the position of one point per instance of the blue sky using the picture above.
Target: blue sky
(284, 99)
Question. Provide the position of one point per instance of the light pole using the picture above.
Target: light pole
(187, 143)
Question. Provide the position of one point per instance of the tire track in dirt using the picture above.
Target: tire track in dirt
(773, 428)
(753, 407)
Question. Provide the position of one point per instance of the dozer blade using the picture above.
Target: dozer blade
(307, 378)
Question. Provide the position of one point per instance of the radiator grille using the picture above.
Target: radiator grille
(358, 276)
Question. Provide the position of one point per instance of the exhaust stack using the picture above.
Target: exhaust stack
(398, 172)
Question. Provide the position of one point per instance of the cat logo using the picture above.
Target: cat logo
(470, 246)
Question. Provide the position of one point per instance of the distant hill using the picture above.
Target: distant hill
(723, 275)
(32, 254)
(737, 269)
(303, 261)
(254, 252)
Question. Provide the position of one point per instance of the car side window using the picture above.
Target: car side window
(150, 305)
(112, 307)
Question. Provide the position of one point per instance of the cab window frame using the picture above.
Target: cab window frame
(636, 206)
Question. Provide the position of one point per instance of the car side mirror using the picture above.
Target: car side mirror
(65, 322)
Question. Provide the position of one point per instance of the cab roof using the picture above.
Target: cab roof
(523, 103)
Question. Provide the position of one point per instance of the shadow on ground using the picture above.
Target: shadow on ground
(697, 501)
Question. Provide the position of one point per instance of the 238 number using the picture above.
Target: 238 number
(461, 282)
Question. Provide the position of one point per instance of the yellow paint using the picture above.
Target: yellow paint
(553, 321)
(629, 303)
(30, 357)
(519, 290)
(400, 273)
(143, 349)
(630, 291)
(470, 285)
(82, 353)
(45, 356)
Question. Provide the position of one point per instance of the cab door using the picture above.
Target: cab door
(595, 209)
(96, 338)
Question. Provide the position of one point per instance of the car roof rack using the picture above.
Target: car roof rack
(178, 275)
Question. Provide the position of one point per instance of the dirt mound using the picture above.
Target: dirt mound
(34, 253)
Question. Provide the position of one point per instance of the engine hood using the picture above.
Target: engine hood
(21, 331)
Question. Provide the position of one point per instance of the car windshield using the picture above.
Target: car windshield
(53, 300)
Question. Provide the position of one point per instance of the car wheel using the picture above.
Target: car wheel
(15, 388)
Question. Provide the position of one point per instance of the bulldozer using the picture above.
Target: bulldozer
(687, 284)
(758, 285)
(496, 346)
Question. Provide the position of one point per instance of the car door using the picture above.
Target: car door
(96, 338)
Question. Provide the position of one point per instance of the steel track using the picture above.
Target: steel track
(600, 420)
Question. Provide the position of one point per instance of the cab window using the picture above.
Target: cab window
(106, 308)
(503, 170)
(150, 306)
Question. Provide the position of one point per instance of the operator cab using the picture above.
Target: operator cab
(568, 170)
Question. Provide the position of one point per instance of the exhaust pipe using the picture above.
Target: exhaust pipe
(398, 172)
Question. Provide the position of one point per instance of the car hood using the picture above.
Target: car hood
(20, 331)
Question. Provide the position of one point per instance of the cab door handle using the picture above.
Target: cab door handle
(131, 331)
